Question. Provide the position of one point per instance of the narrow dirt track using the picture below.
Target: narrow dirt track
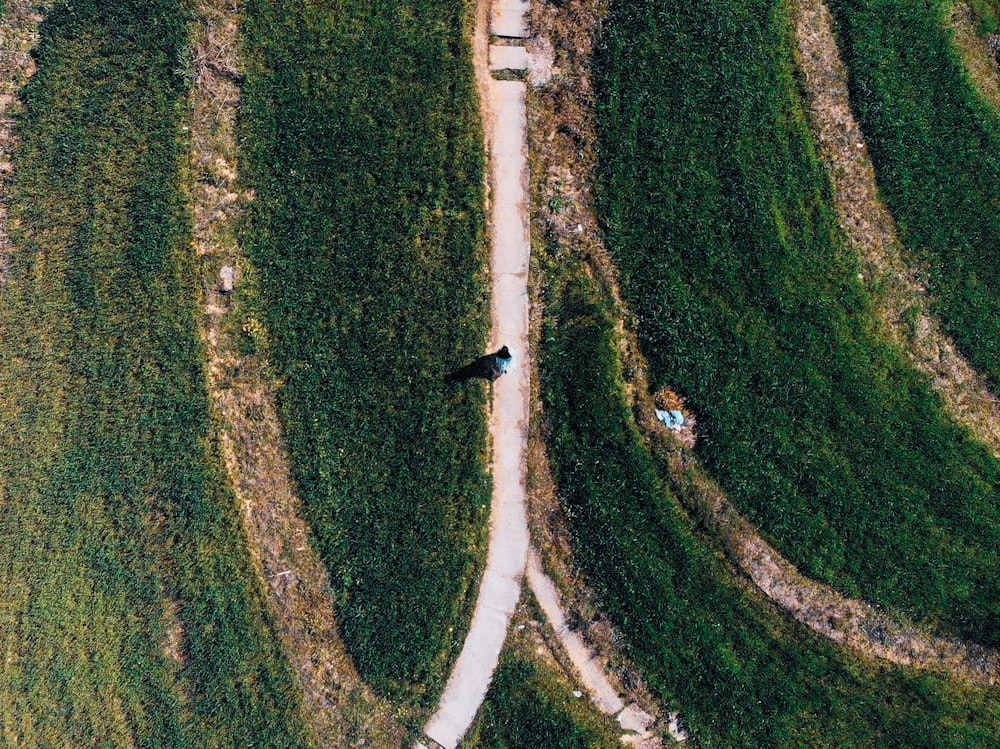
(871, 230)
(337, 705)
(18, 36)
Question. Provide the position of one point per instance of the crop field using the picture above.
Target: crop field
(749, 305)
(363, 144)
(935, 144)
(130, 613)
(741, 675)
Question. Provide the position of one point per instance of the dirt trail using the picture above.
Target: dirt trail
(979, 59)
(339, 707)
(567, 210)
(870, 229)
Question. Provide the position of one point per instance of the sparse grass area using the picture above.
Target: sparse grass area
(741, 675)
(935, 144)
(748, 304)
(363, 144)
(131, 615)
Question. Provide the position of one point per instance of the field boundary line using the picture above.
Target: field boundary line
(336, 704)
(871, 230)
(850, 622)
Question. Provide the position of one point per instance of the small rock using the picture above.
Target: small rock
(577, 693)
(674, 728)
(227, 274)
(633, 718)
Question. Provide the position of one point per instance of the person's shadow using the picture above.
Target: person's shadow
(488, 367)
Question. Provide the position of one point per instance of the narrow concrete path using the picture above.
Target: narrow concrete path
(340, 709)
(505, 122)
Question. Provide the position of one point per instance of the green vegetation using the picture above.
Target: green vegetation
(935, 144)
(749, 305)
(740, 675)
(131, 615)
(986, 14)
(528, 707)
(363, 145)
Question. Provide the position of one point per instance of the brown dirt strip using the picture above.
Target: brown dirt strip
(18, 36)
(341, 709)
(563, 139)
(983, 66)
(871, 231)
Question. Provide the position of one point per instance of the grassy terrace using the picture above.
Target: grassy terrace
(719, 216)
(363, 144)
(130, 614)
(935, 144)
(528, 707)
(741, 675)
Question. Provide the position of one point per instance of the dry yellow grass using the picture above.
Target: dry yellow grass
(341, 709)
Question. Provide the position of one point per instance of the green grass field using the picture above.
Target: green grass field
(528, 707)
(114, 508)
(748, 303)
(935, 144)
(741, 675)
(362, 141)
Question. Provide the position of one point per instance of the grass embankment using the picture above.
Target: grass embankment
(364, 147)
(749, 304)
(531, 703)
(935, 145)
(527, 707)
(741, 675)
(131, 615)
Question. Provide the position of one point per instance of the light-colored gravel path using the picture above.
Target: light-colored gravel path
(506, 136)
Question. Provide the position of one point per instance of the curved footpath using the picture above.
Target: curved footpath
(871, 230)
(505, 121)
(336, 704)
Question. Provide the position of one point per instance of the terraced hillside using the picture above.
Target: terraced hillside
(749, 303)
(741, 674)
(935, 143)
(131, 615)
(338, 162)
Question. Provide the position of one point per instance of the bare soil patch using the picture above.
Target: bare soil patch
(981, 55)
